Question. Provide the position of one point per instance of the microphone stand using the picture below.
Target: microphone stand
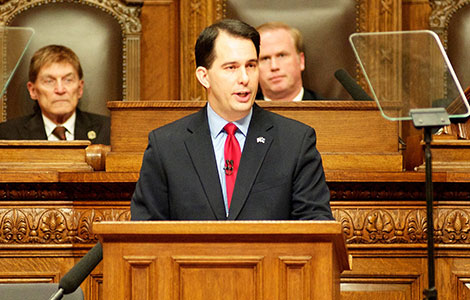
(75, 276)
(58, 295)
(429, 119)
(431, 292)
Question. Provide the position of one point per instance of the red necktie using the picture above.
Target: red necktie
(232, 156)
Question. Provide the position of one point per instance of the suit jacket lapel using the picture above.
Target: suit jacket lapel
(257, 143)
(34, 128)
(201, 151)
(82, 126)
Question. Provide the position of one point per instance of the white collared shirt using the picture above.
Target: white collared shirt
(69, 125)
(297, 98)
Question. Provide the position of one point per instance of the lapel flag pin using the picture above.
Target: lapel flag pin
(260, 140)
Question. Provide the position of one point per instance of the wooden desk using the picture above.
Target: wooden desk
(351, 135)
(222, 260)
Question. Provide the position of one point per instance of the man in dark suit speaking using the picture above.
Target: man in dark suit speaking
(55, 83)
(232, 160)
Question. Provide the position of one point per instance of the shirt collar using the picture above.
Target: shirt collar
(49, 125)
(217, 123)
(297, 98)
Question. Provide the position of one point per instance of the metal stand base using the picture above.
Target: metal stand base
(429, 119)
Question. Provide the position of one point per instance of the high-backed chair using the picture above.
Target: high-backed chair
(451, 20)
(325, 25)
(35, 291)
(104, 34)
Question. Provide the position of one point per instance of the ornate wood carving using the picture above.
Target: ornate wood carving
(371, 213)
(195, 15)
(376, 16)
(15, 193)
(58, 225)
(403, 226)
(442, 12)
(128, 18)
(374, 215)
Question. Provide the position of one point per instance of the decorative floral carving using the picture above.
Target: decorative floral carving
(368, 212)
(456, 227)
(379, 226)
(360, 225)
(54, 226)
(392, 226)
(14, 227)
(416, 229)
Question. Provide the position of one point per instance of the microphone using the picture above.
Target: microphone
(72, 280)
(350, 85)
(228, 167)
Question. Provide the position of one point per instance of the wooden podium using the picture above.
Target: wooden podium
(205, 260)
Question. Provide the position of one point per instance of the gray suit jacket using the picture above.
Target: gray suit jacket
(281, 178)
(31, 127)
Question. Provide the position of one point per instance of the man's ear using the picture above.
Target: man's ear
(302, 61)
(81, 83)
(32, 90)
(202, 77)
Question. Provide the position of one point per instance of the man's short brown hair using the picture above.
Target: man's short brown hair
(294, 32)
(205, 44)
(53, 54)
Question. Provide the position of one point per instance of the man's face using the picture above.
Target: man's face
(280, 66)
(232, 80)
(57, 89)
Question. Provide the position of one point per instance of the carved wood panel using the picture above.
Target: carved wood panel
(52, 219)
(240, 274)
(140, 275)
(195, 15)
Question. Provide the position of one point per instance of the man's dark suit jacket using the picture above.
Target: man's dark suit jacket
(280, 176)
(308, 95)
(31, 127)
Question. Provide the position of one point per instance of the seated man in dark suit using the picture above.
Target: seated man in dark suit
(281, 62)
(232, 160)
(55, 82)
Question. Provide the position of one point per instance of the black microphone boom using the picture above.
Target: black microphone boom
(354, 89)
(72, 280)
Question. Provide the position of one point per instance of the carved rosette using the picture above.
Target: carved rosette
(54, 225)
